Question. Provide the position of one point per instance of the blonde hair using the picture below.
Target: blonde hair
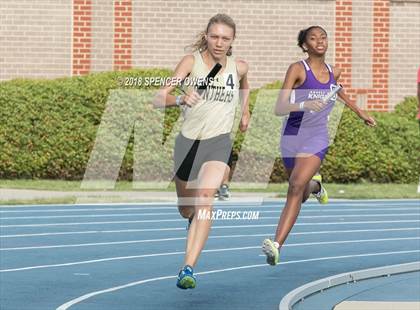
(201, 43)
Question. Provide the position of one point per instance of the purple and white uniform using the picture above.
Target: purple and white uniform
(306, 132)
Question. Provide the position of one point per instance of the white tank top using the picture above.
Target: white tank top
(214, 115)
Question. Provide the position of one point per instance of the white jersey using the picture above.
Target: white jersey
(214, 115)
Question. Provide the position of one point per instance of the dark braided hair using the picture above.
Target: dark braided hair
(304, 33)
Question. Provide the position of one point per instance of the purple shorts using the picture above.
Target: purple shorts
(303, 143)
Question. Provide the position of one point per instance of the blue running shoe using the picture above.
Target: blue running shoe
(186, 278)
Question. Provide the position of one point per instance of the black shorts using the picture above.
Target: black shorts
(190, 155)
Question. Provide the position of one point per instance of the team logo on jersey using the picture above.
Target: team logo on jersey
(316, 94)
(224, 92)
(333, 88)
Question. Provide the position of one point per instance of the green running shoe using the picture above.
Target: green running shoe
(322, 195)
(271, 251)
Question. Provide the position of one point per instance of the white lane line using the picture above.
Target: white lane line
(261, 210)
(183, 229)
(75, 205)
(264, 206)
(171, 205)
(204, 251)
(183, 220)
(177, 214)
(87, 215)
(77, 300)
(179, 238)
(265, 201)
(269, 201)
(92, 232)
(61, 246)
(90, 209)
(92, 223)
(119, 258)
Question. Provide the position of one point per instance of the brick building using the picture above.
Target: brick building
(375, 42)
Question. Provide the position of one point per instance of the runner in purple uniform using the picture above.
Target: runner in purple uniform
(305, 140)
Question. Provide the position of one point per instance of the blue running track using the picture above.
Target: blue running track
(126, 257)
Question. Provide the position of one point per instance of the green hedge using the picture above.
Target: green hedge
(388, 153)
(48, 130)
(48, 127)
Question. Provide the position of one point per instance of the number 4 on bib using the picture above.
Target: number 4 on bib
(229, 81)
